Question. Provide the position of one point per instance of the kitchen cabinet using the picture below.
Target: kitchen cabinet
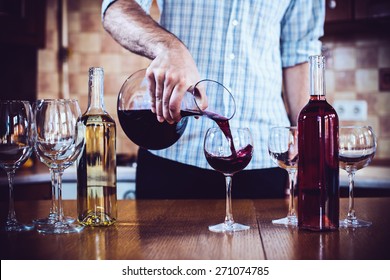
(22, 33)
(22, 22)
(338, 10)
(371, 9)
(357, 17)
(34, 183)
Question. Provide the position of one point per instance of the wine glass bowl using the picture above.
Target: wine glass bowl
(357, 147)
(228, 151)
(283, 149)
(59, 142)
(16, 142)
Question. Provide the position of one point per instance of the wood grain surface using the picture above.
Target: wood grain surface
(178, 229)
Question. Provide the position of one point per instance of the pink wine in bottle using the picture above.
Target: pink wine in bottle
(318, 165)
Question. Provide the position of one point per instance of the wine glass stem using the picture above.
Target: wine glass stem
(229, 214)
(53, 209)
(291, 208)
(57, 178)
(11, 205)
(351, 210)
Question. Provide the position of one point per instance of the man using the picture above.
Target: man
(248, 46)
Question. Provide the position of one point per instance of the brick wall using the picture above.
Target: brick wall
(89, 45)
(353, 66)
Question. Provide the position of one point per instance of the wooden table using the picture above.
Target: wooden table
(177, 229)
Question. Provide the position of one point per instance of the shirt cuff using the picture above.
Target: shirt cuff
(105, 5)
(294, 53)
(145, 4)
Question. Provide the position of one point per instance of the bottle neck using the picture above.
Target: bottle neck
(96, 90)
(317, 77)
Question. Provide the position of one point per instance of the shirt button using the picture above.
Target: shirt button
(235, 22)
(232, 56)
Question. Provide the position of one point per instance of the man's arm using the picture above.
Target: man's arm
(296, 89)
(135, 30)
(172, 70)
(301, 28)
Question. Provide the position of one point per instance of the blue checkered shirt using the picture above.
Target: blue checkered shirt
(244, 45)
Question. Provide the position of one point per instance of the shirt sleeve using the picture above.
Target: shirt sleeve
(145, 4)
(301, 28)
(105, 5)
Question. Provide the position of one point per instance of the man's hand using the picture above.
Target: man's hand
(170, 75)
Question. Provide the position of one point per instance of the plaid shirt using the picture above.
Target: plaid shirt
(243, 44)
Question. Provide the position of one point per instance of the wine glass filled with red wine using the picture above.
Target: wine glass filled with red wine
(228, 150)
(140, 123)
(283, 149)
(357, 147)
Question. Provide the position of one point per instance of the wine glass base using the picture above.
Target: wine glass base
(51, 219)
(287, 221)
(16, 226)
(224, 227)
(354, 223)
(59, 228)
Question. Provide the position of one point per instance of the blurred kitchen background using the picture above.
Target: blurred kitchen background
(47, 47)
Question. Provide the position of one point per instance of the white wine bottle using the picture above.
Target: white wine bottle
(96, 170)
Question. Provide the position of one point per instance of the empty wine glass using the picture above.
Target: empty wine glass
(59, 141)
(16, 141)
(228, 150)
(283, 149)
(357, 147)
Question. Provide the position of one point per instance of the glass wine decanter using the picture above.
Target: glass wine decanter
(140, 123)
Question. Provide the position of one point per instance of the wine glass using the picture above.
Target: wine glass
(357, 147)
(228, 150)
(16, 141)
(283, 149)
(59, 141)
